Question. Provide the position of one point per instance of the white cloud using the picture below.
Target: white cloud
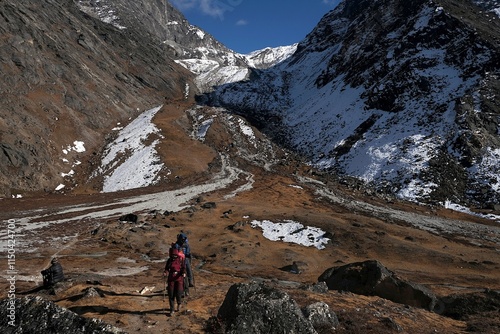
(242, 22)
(331, 2)
(184, 4)
(213, 8)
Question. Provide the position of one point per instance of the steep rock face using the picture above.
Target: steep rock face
(166, 25)
(400, 95)
(67, 80)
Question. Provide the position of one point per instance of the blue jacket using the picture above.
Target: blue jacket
(184, 246)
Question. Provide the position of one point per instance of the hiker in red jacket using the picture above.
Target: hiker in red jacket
(175, 269)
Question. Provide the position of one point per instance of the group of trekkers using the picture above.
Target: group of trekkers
(178, 273)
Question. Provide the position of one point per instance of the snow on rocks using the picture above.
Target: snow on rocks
(78, 147)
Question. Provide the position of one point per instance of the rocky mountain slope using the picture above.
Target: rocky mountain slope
(94, 65)
(67, 80)
(212, 62)
(403, 98)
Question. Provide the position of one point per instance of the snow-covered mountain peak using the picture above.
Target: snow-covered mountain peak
(193, 48)
(233, 67)
(269, 56)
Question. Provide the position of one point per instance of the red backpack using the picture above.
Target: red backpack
(172, 247)
(175, 266)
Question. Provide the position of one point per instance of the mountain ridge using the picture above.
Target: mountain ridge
(371, 72)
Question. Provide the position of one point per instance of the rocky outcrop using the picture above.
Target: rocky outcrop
(37, 315)
(371, 278)
(257, 308)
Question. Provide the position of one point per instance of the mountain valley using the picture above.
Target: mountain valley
(116, 137)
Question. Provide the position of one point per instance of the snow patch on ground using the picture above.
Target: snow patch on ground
(78, 146)
(122, 271)
(292, 231)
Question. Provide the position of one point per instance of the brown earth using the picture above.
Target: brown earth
(120, 259)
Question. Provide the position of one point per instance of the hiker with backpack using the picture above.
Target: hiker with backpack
(182, 244)
(175, 271)
(53, 274)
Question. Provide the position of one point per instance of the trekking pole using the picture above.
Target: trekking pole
(164, 288)
(194, 281)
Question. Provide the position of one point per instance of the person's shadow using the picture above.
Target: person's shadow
(293, 268)
(48, 289)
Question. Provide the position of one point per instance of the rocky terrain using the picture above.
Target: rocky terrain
(279, 244)
(113, 267)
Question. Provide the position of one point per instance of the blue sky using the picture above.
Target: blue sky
(249, 25)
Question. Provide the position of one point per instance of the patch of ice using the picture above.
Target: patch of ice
(203, 129)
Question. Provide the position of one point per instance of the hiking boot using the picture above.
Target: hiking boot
(191, 285)
(179, 306)
(172, 312)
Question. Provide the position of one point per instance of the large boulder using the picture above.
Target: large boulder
(256, 308)
(36, 315)
(371, 278)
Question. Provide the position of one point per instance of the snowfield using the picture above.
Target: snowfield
(130, 161)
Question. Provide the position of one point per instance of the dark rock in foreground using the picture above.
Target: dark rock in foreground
(371, 278)
(256, 308)
(37, 315)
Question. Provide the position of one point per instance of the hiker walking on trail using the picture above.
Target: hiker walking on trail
(182, 244)
(175, 271)
(53, 274)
